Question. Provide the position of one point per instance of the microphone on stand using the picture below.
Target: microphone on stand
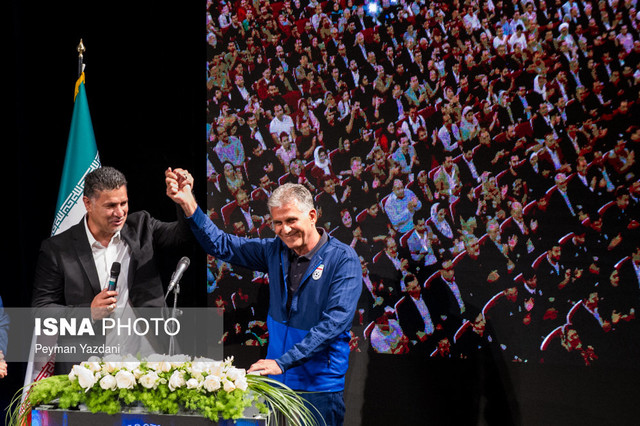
(113, 277)
(183, 264)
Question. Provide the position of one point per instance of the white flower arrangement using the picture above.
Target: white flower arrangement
(163, 384)
(126, 373)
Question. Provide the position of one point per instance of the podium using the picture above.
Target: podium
(43, 416)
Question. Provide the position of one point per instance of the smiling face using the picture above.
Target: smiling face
(295, 228)
(107, 212)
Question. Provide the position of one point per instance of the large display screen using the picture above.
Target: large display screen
(478, 160)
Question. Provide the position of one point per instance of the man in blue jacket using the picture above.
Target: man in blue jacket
(314, 283)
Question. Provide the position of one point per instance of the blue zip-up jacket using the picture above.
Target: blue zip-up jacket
(310, 342)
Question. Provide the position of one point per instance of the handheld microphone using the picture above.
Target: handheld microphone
(113, 277)
(183, 264)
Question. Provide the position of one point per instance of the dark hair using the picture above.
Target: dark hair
(419, 216)
(621, 191)
(528, 273)
(468, 145)
(103, 179)
(408, 278)
(253, 144)
(326, 178)
(446, 257)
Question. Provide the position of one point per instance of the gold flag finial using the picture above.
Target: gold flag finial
(81, 49)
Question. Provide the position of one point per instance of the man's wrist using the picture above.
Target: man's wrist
(277, 361)
(189, 207)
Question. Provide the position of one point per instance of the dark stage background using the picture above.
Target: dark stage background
(146, 89)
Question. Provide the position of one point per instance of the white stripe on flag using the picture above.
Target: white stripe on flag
(72, 210)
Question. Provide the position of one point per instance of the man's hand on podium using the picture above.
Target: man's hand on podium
(265, 367)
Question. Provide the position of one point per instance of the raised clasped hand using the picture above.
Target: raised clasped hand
(179, 182)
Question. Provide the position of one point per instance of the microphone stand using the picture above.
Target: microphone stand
(174, 313)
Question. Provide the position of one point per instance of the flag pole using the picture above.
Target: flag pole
(81, 51)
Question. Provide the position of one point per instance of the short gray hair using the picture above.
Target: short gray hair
(103, 179)
(292, 193)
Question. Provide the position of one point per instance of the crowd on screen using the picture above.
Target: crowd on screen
(478, 155)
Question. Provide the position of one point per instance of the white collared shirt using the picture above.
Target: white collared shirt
(424, 313)
(103, 257)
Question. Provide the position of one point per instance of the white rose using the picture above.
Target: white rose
(193, 383)
(86, 379)
(138, 373)
(160, 366)
(176, 380)
(111, 362)
(234, 374)
(130, 362)
(202, 365)
(108, 382)
(149, 380)
(211, 383)
(125, 379)
(92, 365)
(228, 386)
(110, 366)
(153, 361)
(215, 368)
(241, 383)
(197, 368)
(179, 360)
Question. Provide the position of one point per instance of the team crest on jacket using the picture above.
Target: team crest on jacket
(318, 272)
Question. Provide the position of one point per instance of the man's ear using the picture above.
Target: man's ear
(87, 203)
(313, 216)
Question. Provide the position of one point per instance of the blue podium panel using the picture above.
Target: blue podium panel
(44, 417)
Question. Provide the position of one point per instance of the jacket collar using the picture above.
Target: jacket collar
(85, 256)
